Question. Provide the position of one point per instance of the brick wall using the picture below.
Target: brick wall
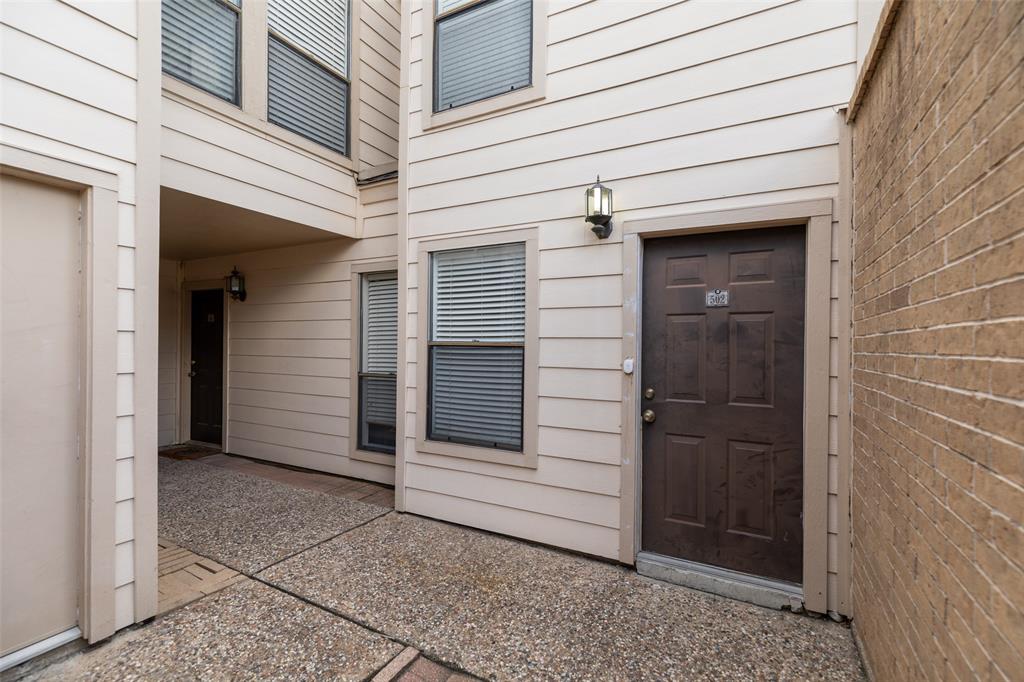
(938, 498)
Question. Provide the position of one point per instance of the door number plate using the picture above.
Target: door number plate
(717, 298)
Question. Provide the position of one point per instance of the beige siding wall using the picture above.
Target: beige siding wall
(168, 367)
(289, 344)
(234, 155)
(377, 44)
(681, 107)
(82, 107)
(227, 158)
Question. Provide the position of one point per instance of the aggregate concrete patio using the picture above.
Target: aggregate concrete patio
(247, 630)
(355, 591)
(248, 522)
(509, 610)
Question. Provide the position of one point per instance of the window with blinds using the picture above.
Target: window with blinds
(308, 87)
(481, 49)
(476, 346)
(200, 44)
(378, 361)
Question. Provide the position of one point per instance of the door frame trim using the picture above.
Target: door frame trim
(98, 329)
(185, 343)
(817, 217)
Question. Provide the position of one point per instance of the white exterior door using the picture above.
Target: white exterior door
(40, 287)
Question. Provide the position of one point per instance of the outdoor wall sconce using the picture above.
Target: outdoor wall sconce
(235, 284)
(599, 209)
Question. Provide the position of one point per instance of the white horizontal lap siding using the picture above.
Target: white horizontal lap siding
(68, 84)
(378, 33)
(290, 343)
(681, 107)
(213, 156)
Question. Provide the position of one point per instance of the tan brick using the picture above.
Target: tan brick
(1003, 181)
(1009, 619)
(1007, 459)
(957, 277)
(1007, 299)
(1000, 339)
(1008, 537)
(1006, 139)
(1002, 261)
(999, 494)
(955, 467)
(1008, 379)
(938, 364)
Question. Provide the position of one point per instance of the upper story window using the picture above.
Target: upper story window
(201, 44)
(308, 87)
(482, 48)
(476, 346)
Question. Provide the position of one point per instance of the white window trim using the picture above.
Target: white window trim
(528, 456)
(354, 451)
(535, 91)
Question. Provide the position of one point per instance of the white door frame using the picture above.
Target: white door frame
(98, 370)
(816, 215)
(184, 380)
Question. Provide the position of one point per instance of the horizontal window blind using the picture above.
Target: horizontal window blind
(318, 26)
(482, 51)
(479, 294)
(379, 400)
(445, 5)
(306, 98)
(478, 330)
(378, 361)
(477, 395)
(200, 45)
(380, 323)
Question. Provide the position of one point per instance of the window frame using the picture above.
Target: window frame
(531, 93)
(331, 71)
(237, 101)
(358, 271)
(527, 456)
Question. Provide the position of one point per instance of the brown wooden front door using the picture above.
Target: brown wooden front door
(723, 459)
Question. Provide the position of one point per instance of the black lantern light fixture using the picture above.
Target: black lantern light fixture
(235, 284)
(599, 209)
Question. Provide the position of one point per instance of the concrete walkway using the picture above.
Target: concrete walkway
(361, 592)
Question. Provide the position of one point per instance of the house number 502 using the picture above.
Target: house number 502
(717, 298)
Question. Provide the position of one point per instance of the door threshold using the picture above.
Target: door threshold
(39, 648)
(768, 592)
(203, 443)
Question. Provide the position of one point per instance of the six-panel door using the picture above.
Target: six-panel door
(722, 374)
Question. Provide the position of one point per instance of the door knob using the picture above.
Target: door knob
(192, 373)
(648, 416)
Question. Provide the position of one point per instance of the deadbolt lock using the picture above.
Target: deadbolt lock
(649, 393)
(648, 416)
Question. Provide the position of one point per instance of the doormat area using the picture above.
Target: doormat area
(188, 451)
